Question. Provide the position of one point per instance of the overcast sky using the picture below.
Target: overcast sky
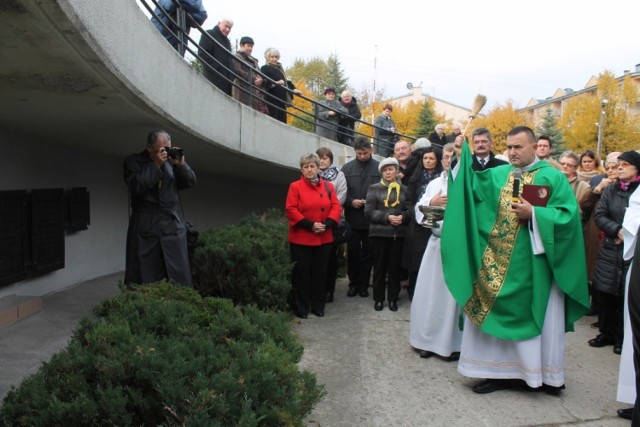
(454, 49)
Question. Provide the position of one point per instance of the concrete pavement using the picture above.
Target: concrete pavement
(371, 374)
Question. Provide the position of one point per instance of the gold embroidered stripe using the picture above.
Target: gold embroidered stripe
(497, 255)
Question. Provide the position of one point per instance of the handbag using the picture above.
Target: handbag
(342, 232)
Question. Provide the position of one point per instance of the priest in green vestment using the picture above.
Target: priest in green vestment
(506, 261)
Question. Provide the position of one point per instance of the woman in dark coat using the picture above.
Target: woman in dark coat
(611, 268)
(277, 86)
(415, 243)
(312, 214)
(387, 210)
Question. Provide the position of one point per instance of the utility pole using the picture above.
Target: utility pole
(600, 126)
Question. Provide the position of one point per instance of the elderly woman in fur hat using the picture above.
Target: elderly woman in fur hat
(387, 209)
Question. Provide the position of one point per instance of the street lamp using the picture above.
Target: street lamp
(600, 125)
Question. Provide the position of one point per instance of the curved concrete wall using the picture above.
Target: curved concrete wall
(82, 83)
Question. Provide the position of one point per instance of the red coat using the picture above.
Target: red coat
(311, 202)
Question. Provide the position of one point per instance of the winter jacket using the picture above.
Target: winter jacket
(378, 213)
(308, 203)
(194, 8)
(611, 268)
(327, 124)
(359, 176)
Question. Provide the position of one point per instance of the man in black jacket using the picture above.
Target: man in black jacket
(360, 173)
(215, 53)
(346, 123)
(157, 235)
(483, 158)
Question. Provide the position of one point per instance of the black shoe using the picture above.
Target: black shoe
(627, 413)
(425, 354)
(454, 357)
(617, 349)
(301, 315)
(592, 311)
(329, 297)
(363, 293)
(378, 306)
(319, 312)
(393, 305)
(352, 292)
(595, 325)
(600, 341)
(491, 385)
(552, 390)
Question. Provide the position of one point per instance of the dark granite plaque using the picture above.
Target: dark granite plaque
(14, 249)
(47, 230)
(78, 209)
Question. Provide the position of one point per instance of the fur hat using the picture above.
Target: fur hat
(329, 89)
(421, 143)
(632, 157)
(388, 161)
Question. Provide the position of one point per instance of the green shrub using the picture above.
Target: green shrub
(163, 355)
(248, 262)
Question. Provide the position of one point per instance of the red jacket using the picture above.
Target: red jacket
(311, 202)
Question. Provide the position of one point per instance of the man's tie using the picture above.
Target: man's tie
(483, 162)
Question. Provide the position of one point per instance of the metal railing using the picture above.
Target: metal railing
(178, 20)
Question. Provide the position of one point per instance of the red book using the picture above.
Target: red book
(537, 195)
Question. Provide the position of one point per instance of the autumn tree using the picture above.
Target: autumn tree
(370, 104)
(620, 124)
(319, 74)
(302, 112)
(549, 126)
(407, 117)
(500, 120)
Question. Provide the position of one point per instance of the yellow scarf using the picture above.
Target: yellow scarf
(390, 187)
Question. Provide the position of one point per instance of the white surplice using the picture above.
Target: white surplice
(434, 313)
(627, 375)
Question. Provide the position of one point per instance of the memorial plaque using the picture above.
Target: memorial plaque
(47, 230)
(78, 209)
(14, 250)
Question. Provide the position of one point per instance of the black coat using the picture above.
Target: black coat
(491, 163)
(378, 213)
(437, 139)
(218, 69)
(278, 96)
(611, 268)
(347, 122)
(157, 235)
(360, 176)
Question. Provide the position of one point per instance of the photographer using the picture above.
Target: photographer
(157, 235)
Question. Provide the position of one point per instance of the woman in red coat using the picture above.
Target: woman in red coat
(313, 210)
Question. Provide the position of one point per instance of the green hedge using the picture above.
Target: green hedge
(248, 263)
(163, 355)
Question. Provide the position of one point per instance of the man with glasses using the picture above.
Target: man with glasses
(545, 146)
(569, 168)
(483, 158)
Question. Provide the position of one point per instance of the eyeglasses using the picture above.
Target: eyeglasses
(568, 164)
(612, 167)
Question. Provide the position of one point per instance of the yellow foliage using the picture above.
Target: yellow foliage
(500, 120)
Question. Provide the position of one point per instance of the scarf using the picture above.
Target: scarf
(329, 174)
(426, 179)
(314, 181)
(390, 187)
(624, 186)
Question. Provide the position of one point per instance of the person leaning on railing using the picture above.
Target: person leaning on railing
(215, 52)
(166, 14)
(246, 84)
(279, 97)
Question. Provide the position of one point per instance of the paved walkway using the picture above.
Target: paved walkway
(371, 375)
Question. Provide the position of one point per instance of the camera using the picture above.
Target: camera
(174, 152)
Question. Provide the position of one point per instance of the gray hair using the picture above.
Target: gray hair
(449, 146)
(272, 51)
(482, 131)
(308, 158)
(571, 155)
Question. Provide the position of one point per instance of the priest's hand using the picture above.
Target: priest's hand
(524, 210)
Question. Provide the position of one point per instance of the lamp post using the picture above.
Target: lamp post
(600, 126)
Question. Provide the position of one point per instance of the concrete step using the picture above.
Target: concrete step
(16, 307)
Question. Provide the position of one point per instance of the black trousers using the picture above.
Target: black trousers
(387, 258)
(359, 260)
(308, 277)
(611, 316)
(332, 268)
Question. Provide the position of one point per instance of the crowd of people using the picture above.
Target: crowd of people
(506, 262)
(517, 251)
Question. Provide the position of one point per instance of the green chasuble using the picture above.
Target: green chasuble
(488, 261)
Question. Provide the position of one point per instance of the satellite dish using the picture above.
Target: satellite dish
(409, 86)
